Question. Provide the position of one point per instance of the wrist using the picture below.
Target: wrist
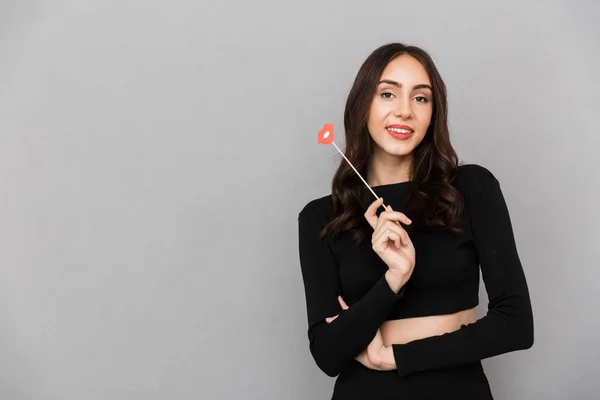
(395, 281)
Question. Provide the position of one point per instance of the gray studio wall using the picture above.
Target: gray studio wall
(154, 156)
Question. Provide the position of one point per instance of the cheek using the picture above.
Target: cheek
(375, 113)
(379, 111)
(425, 115)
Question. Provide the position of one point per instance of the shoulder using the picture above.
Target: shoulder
(472, 178)
(317, 210)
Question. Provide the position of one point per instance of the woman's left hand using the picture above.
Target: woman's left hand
(376, 356)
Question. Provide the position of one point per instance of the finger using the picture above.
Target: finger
(389, 225)
(363, 358)
(379, 335)
(343, 303)
(383, 217)
(391, 215)
(371, 213)
(386, 235)
(331, 319)
(396, 227)
(384, 220)
(406, 220)
(377, 235)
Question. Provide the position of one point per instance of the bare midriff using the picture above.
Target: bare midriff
(401, 331)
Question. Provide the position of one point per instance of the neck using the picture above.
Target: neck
(387, 169)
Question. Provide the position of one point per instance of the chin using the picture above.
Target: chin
(403, 149)
(400, 153)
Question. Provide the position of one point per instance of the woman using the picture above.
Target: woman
(394, 317)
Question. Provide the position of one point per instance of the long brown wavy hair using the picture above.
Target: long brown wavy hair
(434, 199)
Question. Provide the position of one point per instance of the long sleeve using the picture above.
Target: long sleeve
(508, 324)
(335, 344)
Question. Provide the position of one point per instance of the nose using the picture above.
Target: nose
(403, 108)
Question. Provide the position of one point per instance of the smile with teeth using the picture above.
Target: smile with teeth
(399, 130)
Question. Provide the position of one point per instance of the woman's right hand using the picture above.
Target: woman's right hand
(390, 240)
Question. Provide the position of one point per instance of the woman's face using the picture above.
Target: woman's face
(401, 110)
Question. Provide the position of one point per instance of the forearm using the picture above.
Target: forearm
(499, 332)
(496, 333)
(335, 344)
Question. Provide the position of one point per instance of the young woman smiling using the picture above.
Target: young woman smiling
(393, 317)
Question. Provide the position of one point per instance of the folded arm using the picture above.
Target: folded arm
(508, 325)
(333, 345)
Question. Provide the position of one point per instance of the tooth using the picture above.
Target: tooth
(400, 130)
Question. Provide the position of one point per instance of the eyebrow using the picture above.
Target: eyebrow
(394, 83)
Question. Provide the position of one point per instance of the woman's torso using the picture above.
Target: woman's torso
(440, 297)
(444, 283)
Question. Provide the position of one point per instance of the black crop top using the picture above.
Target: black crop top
(445, 280)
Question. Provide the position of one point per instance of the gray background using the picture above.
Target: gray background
(154, 156)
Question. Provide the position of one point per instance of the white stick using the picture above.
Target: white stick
(374, 194)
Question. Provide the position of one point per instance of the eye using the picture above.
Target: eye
(386, 93)
(421, 99)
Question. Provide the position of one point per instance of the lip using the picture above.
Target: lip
(397, 135)
(400, 127)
